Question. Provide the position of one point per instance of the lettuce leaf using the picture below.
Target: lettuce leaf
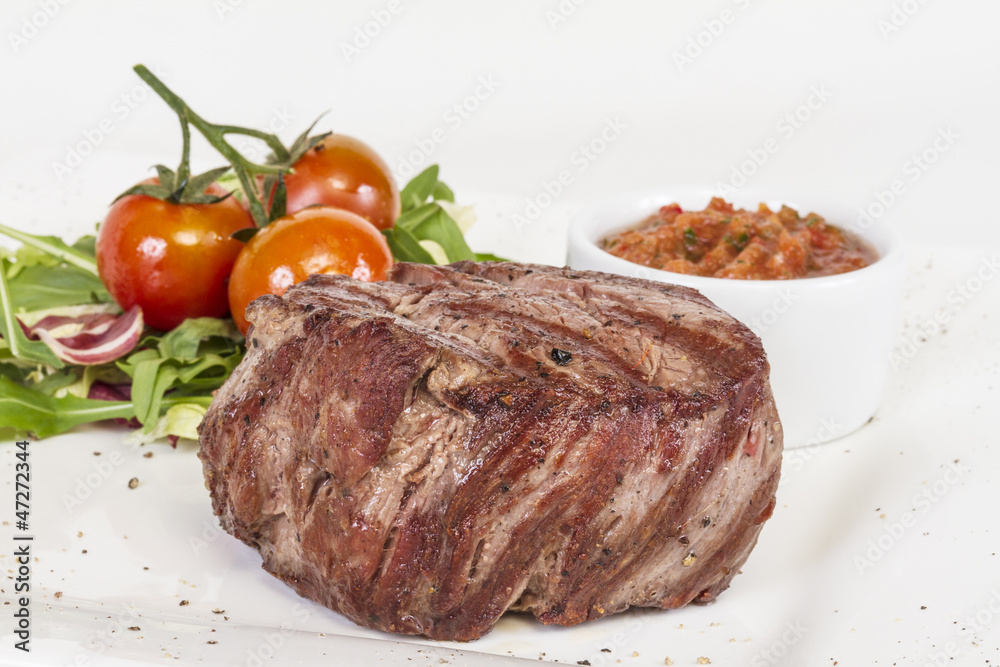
(39, 286)
(195, 358)
(181, 420)
(427, 231)
(25, 409)
(17, 343)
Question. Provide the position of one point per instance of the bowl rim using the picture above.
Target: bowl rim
(881, 234)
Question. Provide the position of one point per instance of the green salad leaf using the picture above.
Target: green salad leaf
(26, 409)
(41, 287)
(195, 359)
(20, 347)
(430, 222)
(416, 192)
(405, 247)
(426, 232)
(78, 255)
(180, 420)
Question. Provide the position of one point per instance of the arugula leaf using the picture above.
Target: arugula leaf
(27, 410)
(405, 247)
(42, 287)
(87, 245)
(107, 373)
(420, 188)
(440, 228)
(197, 373)
(415, 216)
(26, 256)
(52, 245)
(148, 387)
(52, 383)
(436, 251)
(195, 358)
(20, 347)
(10, 371)
(429, 222)
(442, 192)
(184, 341)
(427, 231)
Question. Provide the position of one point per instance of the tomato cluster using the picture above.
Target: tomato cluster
(179, 260)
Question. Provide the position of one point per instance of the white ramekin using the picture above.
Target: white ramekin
(828, 339)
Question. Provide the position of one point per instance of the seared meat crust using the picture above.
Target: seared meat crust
(423, 454)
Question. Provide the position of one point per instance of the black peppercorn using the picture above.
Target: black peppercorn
(561, 357)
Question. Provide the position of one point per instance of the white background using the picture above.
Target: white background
(560, 77)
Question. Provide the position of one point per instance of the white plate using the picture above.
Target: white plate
(820, 335)
(855, 567)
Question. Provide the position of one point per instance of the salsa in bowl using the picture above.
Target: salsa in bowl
(722, 241)
(827, 337)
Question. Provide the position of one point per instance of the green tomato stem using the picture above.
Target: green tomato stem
(244, 169)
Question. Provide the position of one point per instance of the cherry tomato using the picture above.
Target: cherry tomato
(319, 239)
(172, 260)
(344, 172)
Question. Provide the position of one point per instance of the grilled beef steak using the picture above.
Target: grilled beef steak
(424, 454)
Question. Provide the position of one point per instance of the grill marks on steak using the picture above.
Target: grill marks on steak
(409, 453)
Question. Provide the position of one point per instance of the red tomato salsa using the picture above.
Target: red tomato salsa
(723, 242)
